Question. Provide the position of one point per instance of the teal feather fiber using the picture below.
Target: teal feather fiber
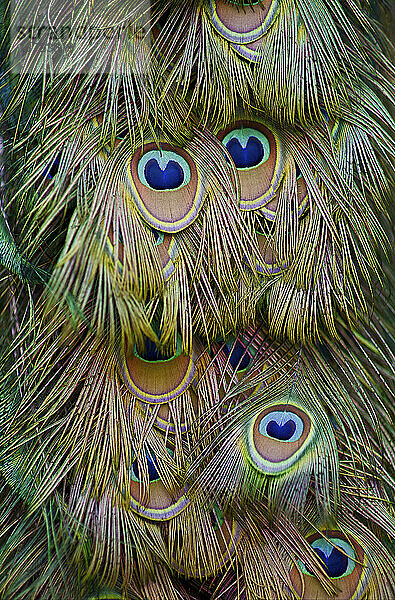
(196, 360)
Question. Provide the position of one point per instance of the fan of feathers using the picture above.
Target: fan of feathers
(196, 369)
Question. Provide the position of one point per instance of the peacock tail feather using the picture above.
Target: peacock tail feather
(196, 375)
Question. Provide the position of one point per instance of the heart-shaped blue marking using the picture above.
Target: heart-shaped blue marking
(250, 156)
(169, 178)
(282, 432)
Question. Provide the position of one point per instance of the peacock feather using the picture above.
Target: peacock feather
(196, 374)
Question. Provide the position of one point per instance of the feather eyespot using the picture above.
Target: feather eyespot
(335, 563)
(148, 495)
(155, 377)
(166, 186)
(242, 24)
(258, 157)
(277, 437)
(342, 559)
(248, 147)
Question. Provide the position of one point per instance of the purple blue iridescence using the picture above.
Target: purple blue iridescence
(335, 564)
(169, 178)
(152, 472)
(282, 432)
(250, 156)
(238, 356)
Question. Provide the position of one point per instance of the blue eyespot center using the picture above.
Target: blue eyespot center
(151, 466)
(169, 177)
(335, 563)
(283, 432)
(151, 352)
(248, 147)
(282, 425)
(248, 156)
(239, 359)
(163, 170)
